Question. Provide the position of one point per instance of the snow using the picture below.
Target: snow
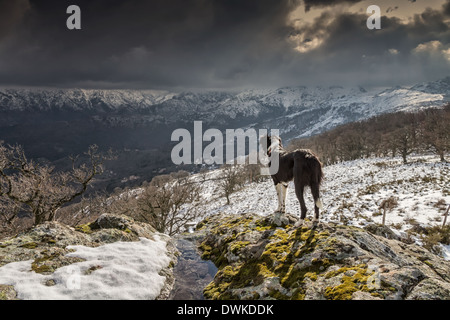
(124, 270)
(352, 193)
(446, 252)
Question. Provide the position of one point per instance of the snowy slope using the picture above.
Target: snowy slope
(352, 193)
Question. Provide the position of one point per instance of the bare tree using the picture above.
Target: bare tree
(445, 216)
(404, 139)
(28, 186)
(169, 203)
(387, 205)
(436, 131)
(231, 179)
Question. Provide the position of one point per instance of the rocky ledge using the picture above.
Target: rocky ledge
(266, 258)
(46, 245)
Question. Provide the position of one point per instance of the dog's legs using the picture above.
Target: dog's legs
(283, 192)
(299, 192)
(278, 188)
(317, 202)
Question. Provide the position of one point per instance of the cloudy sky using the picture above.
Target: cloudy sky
(218, 44)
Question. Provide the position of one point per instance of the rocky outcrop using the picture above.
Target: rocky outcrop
(46, 245)
(268, 258)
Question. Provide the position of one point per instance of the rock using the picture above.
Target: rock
(7, 292)
(46, 244)
(382, 231)
(259, 258)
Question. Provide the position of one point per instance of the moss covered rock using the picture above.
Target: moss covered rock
(260, 259)
(46, 245)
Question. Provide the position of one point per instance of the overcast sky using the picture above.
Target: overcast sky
(222, 44)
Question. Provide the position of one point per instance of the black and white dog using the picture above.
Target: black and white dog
(300, 165)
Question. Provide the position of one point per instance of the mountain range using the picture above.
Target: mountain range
(54, 123)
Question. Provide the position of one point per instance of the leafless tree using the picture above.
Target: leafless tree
(387, 205)
(231, 179)
(445, 216)
(27, 186)
(169, 202)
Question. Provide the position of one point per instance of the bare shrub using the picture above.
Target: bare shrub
(169, 203)
(387, 205)
(232, 178)
(37, 190)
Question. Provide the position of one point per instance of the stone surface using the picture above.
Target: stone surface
(269, 258)
(46, 244)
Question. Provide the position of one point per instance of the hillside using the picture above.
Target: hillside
(138, 123)
(352, 193)
(258, 256)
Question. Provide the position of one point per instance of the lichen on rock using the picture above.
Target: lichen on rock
(46, 246)
(260, 259)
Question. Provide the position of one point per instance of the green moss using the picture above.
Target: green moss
(278, 259)
(236, 246)
(311, 275)
(85, 228)
(39, 266)
(202, 224)
(29, 245)
(349, 284)
(92, 269)
(278, 295)
(206, 250)
(295, 275)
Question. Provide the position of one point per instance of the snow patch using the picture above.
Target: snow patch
(115, 271)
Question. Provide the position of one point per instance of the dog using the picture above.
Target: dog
(300, 165)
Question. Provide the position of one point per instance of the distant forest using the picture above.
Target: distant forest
(394, 134)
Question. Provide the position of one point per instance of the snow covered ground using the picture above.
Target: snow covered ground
(352, 193)
(116, 271)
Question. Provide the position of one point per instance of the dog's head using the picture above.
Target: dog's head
(270, 143)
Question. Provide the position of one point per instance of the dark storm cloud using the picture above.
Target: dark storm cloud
(325, 3)
(399, 53)
(169, 43)
(11, 14)
(206, 43)
(447, 8)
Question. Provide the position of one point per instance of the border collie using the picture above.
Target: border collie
(300, 165)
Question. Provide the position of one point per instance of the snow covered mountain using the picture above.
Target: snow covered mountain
(296, 111)
(55, 123)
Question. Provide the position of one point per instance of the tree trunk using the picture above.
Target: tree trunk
(404, 155)
(38, 218)
(445, 216)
